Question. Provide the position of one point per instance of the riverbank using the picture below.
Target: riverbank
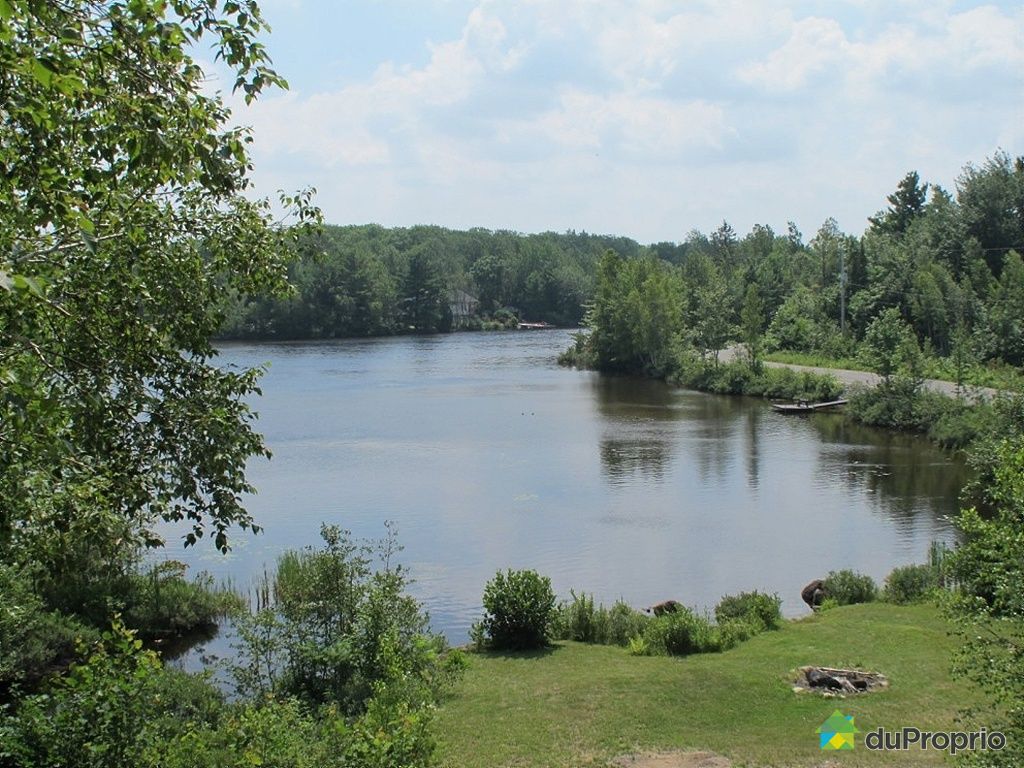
(584, 705)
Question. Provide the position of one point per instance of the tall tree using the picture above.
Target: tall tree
(992, 205)
(122, 219)
(1006, 316)
(905, 205)
(425, 307)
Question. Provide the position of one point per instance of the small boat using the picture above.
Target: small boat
(802, 406)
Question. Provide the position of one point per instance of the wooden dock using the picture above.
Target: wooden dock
(534, 326)
(802, 407)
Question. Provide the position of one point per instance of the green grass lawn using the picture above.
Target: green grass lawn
(580, 705)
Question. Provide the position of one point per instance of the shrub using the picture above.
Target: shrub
(32, 639)
(828, 604)
(756, 608)
(107, 712)
(331, 628)
(732, 632)
(847, 587)
(580, 620)
(519, 607)
(624, 623)
(163, 602)
(638, 646)
(682, 633)
(911, 583)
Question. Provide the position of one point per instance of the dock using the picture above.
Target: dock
(534, 326)
(803, 407)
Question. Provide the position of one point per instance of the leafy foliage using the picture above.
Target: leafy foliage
(32, 639)
(578, 619)
(120, 707)
(847, 587)
(989, 571)
(334, 630)
(107, 711)
(519, 608)
(122, 219)
(681, 633)
(757, 608)
(911, 583)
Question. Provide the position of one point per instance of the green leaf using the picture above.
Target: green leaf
(88, 240)
(86, 224)
(28, 285)
(5, 10)
(42, 72)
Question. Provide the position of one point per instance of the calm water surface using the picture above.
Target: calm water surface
(487, 455)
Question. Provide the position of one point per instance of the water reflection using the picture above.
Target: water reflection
(637, 434)
(487, 455)
(901, 472)
(752, 433)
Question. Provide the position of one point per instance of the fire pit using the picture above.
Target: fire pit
(838, 682)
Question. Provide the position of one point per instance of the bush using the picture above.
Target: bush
(735, 631)
(896, 403)
(682, 633)
(579, 620)
(847, 587)
(519, 608)
(109, 711)
(163, 602)
(624, 623)
(739, 378)
(911, 583)
(32, 639)
(755, 608)
(331, 629)
(638, 646)
(582, 621)
(827, 605)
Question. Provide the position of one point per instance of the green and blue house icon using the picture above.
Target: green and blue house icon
(837, 732)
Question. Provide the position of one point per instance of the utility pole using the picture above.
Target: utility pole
(842, 288)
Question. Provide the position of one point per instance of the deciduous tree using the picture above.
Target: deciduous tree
(123, 219)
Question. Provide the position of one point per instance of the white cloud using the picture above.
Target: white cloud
(982, 37)
(815, 44)
(608, 116)
(636, 122)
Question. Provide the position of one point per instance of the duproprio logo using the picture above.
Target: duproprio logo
(837, 732)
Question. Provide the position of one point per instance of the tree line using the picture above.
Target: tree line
(947, 262)
(946, 267)
(374, 281)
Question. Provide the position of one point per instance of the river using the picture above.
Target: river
(487, 455)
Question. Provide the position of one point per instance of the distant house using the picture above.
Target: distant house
(463, 306)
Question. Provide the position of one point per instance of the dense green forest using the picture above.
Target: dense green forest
(948, 263)
(123, 224)
(946, 268)
(372, 281)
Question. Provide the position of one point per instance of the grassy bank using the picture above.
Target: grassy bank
(580, 705)
(992, 375)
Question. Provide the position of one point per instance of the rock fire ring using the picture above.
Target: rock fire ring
(829, 681)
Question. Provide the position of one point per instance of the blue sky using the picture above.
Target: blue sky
(642, 118)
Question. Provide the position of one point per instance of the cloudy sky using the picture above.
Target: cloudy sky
(643, 118)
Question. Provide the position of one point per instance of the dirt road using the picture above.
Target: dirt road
(865, 378)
